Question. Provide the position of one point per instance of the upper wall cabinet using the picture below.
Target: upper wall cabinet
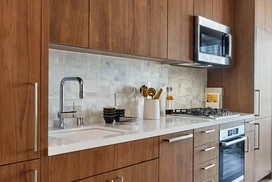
(180, 29)
(129, 26)
(150, 28)
(69, 22)
(111, 25)
(263, 13)
(218, 10)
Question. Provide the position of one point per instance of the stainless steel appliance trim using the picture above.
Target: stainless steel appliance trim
(259, 135)
(225, 136)
(259, 102)
(208, 167)
(225, 144)
(35, 175)
(212, 59)
(241, 178)
(213, 25)
(208, 131)
(208, 149)
(170, 140)
(35, 116)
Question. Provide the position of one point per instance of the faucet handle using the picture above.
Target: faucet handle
(73, 105)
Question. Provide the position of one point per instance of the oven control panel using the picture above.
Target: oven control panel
(229, 133)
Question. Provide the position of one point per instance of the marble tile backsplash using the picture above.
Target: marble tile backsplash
(113, 81)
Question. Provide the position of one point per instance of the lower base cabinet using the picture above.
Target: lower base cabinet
(144, 172)
(21, 172)
(176, 157)
(262, 148)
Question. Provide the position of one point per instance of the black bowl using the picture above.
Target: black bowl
(109, 108)
(105, 112)
(109, 120)
(109, 115)
(117, 119)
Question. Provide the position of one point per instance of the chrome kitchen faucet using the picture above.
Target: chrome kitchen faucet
(71, 114)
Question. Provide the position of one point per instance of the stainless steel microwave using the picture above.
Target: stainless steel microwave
(212, 42)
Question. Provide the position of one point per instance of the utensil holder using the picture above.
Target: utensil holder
(152, 109)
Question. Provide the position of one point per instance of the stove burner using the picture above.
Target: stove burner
(204, 112)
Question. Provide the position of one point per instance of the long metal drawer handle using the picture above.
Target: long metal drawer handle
(35, 175)
(209, 131)
(111, 180)
(208, 167)
(259, 135)
(208, 149)
(179, 138)
(121, 178)
(225, 144)
(259, 103)
(35, 117)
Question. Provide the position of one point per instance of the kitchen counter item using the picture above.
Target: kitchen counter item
(152, 109)
(158, 95)
(151, 92)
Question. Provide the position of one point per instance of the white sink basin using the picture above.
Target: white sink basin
(86, 134)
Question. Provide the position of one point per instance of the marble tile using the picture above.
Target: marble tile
(105, 75)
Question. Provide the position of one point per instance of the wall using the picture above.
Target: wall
(106, 78)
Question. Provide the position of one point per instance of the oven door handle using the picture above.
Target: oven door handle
(225, 144)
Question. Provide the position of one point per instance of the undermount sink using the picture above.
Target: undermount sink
(86, 134)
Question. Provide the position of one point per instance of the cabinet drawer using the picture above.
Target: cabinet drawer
(206, 135)
(82, 164)
(206, 170)
(212, 179)
(206, 152)
(134, 152)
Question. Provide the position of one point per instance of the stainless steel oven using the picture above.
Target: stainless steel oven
(212, 42)
(232, 154)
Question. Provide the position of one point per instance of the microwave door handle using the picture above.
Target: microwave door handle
(230, 45)
(225, 144)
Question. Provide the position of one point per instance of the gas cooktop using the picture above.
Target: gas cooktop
(206, 113)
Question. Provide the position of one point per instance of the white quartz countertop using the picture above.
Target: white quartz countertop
(98, 135)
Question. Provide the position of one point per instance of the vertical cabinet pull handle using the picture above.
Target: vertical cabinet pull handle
(35, 175)
(35, 117)
(208, 131)
(121, 178)
(259, 135)
(247, 148)
(259, 103)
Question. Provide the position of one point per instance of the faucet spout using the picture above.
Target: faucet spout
(62, 83)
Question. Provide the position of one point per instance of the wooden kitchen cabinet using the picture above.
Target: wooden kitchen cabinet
(20, 54)
(176, 158)
(144, 172)
(86, 163)
(150, 28)
(249, 157)
(21, 172)
(69, 22)
(263, 13)
(262, 148)
(136, 27)
(180, 30)
(263, 65)
(218, 10)
(111, 25)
